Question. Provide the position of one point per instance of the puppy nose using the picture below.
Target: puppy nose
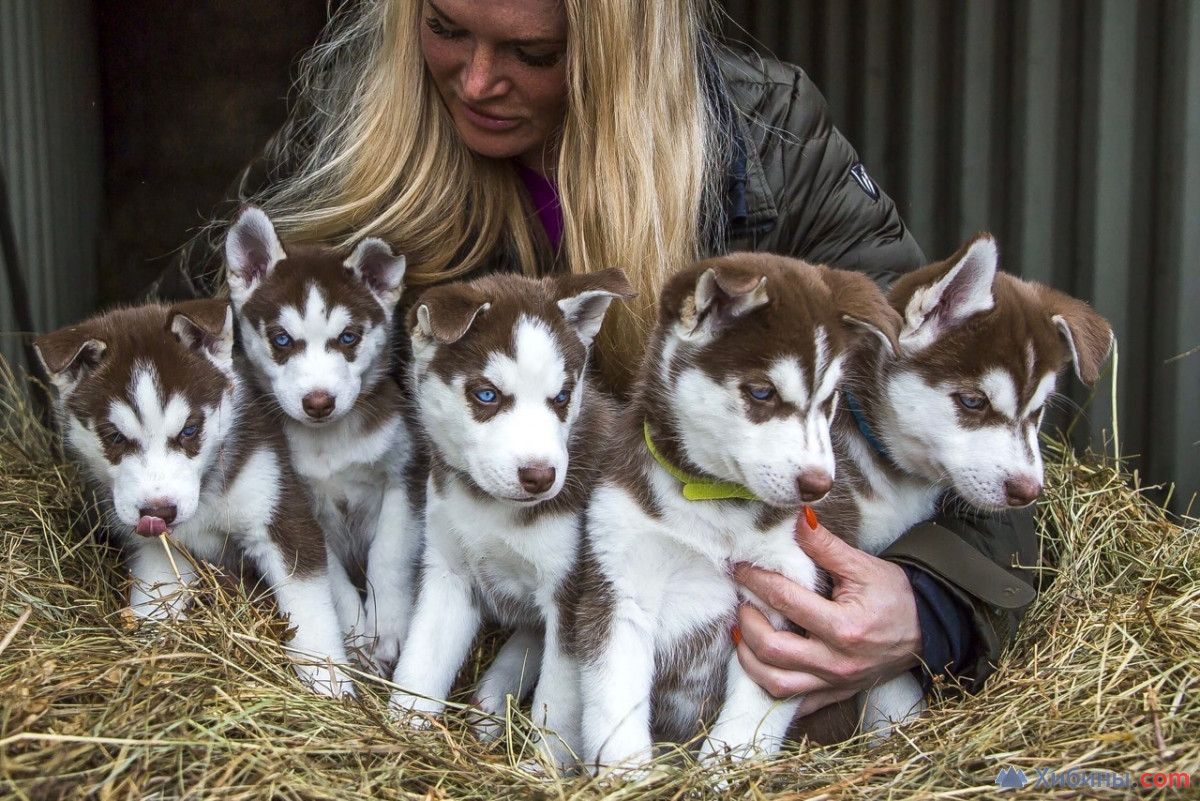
(160, 509)
(536, 480)
(318, 404)
(813, 485)
(1022, 490)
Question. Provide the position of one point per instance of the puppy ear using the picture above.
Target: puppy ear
(69, 355)
(1089, 336)
(724, 292)
(960, 287)
(252, 249)
(443, 314)
(863, 306)
(585, 298)
(205, 326)
(381, 270)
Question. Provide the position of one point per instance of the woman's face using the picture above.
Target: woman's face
(500, 67)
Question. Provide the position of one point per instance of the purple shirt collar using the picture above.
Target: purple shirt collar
(544, 194)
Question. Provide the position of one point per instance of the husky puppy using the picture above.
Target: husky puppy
(316, 327)
(726, 438)
(955, 410)
(516, 436)
(158, 413)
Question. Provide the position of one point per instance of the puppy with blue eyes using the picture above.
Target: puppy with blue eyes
(515, 437)
(316, 328)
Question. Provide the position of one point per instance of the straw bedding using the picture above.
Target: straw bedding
(1104, 676)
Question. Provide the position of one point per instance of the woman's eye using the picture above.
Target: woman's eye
(281, 340)
(189, 430)
(972, 402)
(562, 397)
(539, 59)
(436, 27)
(760, 392)
(485, 395)
(348, 338)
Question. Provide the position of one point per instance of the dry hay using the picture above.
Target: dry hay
(1103, 677)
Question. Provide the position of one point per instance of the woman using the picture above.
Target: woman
(570, 135)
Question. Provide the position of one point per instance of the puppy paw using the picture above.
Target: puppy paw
(634, 774)
(416, 721)
(413, 711)
(486, 724)
(721, 762)
(359, 649)
(326, 679)
(385, 633)
(532, 767)
(553, 753)
(385, 653)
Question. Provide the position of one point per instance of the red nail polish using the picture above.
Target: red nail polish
(810, 517)
(736, 633)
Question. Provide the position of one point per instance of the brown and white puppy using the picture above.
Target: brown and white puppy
(516, 437)
(955, 410)
(155, 408)
(727, 437)
(316, 326)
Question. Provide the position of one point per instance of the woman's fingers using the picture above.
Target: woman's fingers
(798, 604)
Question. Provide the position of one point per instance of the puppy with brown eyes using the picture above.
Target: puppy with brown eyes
(157, 410)
(952, 415)
(726, 438)
(516, 437)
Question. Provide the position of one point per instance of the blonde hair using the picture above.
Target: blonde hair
(372, 151)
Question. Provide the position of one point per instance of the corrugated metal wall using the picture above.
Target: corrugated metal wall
(51, 151)
(1071, 130)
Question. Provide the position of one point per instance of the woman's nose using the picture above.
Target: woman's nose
(482, 77)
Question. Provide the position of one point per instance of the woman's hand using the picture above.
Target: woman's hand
(867, 633)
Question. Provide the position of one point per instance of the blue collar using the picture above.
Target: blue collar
(863, 425)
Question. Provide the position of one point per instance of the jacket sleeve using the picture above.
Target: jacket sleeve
(986, 563)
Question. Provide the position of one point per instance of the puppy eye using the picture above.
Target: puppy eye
(485, 395)
(562, 397)
(281, 340)
(348, 338)
(974, 403)
(189, 431)
(760, 392)
(116, 438)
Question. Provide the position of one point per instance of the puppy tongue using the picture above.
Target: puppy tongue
(151, 526)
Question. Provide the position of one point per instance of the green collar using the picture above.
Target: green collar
(698, 488)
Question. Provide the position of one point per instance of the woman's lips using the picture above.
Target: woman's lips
(487, 122)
